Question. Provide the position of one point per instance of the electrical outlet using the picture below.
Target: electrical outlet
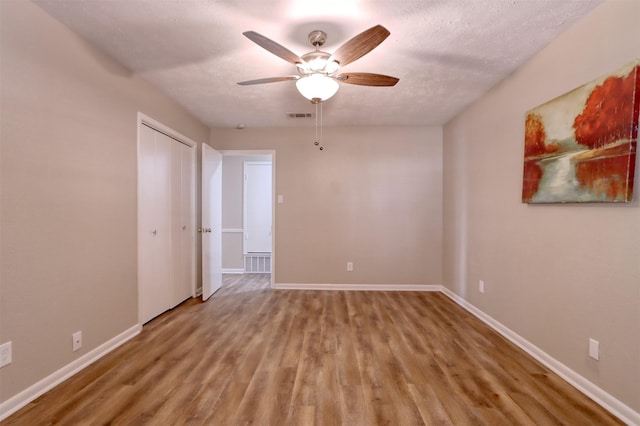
(481, 286)
(5, 354)
(594, 349)
(76, 340)
(349, 266)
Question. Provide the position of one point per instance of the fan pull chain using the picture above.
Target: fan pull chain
(321, 147)
(318, 139)
(317, 142)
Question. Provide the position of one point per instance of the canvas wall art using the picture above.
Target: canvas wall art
(581, 147)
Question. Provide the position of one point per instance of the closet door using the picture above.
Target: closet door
(182, 226)
(154, 228)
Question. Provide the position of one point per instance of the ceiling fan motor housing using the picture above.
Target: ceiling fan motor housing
(316, 61)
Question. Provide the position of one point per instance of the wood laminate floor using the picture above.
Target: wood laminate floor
(251, 355)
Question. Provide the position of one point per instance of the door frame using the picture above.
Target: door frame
(143, 119)
(272, 153)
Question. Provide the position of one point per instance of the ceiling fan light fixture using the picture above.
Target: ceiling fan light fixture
(318, 78)
(331, 67)
(316, 61)
(317, 64)
(317, 86)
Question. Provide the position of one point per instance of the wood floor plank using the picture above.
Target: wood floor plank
(429, 405)
(279, 394)
(304, 415)
(252, 355)
(353, 405)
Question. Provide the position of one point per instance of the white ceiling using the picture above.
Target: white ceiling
(446, 53)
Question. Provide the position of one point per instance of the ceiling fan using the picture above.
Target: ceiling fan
(318, 72)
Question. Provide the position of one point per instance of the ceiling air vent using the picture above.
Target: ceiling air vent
(300, 115)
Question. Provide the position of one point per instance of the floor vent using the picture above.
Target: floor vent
(257, 263)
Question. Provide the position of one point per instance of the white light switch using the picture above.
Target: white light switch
(5, 354)
(280, 199)
(594, 349)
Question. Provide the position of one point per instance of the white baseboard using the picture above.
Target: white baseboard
(18, 401)
(232, 270)
(609, 402)
(357, 287)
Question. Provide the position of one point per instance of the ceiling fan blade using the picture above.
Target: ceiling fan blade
(273, 47)
(360, 45)
(268, 80)
(367, 79)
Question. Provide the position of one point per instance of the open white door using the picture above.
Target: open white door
(211, 221)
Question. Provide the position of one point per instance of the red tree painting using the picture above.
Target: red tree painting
(608, 114)
(581, 146)
(534, 136)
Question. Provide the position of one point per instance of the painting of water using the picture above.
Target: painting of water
(581, 147)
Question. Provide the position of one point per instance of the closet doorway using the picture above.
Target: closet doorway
(166, 218)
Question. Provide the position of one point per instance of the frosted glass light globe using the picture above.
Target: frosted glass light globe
(317, 86)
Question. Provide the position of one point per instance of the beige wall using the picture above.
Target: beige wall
(373, 197)
(68, 182)
(232, 207)
(555, 274)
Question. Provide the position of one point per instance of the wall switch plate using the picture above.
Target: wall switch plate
(349, 266)
(594, 349)
(481, 286)
(76, 340)
(280, 199)
(5, 354)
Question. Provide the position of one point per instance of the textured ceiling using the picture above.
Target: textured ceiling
(446, 53)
